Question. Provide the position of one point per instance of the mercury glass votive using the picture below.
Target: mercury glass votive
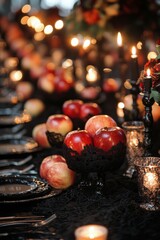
(91, 232)
(134, 131)
(148, 173)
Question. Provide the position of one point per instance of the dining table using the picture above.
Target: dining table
(117, 207)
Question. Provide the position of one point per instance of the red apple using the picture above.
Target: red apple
(55, 170)
(106, 138)
(88, 110)
(46, 83)
(34, 106)
(48, 162)
(59, 123)
(72, 108)
(61, 85)
(111, 85)
(39, 135)
(90, 92)
(99, 121)
(77, 140)
(24, 90)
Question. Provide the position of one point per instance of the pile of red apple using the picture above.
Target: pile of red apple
(101, 136)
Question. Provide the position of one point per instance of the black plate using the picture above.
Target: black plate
(38, 189)
(14, 118)
(18, 146)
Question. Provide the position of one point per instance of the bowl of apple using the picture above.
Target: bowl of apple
(93, 151)
(57, 126)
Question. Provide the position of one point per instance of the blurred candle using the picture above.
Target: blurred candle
(134, 66)
(91, 232)
(120, 46)
(120, 107)
(148, 81)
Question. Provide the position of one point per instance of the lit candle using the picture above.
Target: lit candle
(148, 81)
(120, 111)
(91, 232)
(134, 66)
(120, 47)
(92, 74)
(150, 181)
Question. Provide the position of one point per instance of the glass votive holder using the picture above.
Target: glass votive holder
(91, 232)
(134, 131)
(148, 173)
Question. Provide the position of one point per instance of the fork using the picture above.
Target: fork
(30, 224)
(15, 170)
(10, 162)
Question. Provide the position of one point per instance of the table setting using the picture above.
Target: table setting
(79, 124)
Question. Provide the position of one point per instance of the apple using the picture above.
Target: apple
(56, 172)
(34, 106)
(72, 108)
(99, 121)
(48, 162)
(77, 140)
(62, 85)
(59, 123)
(106, 138)
(90, 92)
(39, 135)
(111, 85)
(24, 90)
(88, 110)
(46, 83)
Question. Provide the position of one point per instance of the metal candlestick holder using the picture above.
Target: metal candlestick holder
(134, 131)
(148, 118)
(134, 91)
(148, 172)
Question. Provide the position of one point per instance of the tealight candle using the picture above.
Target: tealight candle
(91, 232)
(150, 181)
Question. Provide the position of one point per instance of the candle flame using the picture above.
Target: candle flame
(133, 50)
(119, 39)
(148, 72)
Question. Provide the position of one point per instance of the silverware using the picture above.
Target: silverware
(19, 217)
(12, 135)
(10, 162)
(15, 170)
(30, 224)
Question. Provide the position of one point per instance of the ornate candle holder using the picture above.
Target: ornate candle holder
(134, 131)
(148, 118)
(148, 170)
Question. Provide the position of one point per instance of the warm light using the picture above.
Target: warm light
(139, 45)
(133, 52)
(24, 20)
(39, 27)
(74, 42)
(86, 43)
(120, 112)
(39, 36)
(26, 8)
(59, 24)
(150, 181)
(88, 232)
(48, 29)
(33, 21)
(119, 39)
(16, 75)
(92, 74)
(67, 63)
(148, 72)
(151, 55)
